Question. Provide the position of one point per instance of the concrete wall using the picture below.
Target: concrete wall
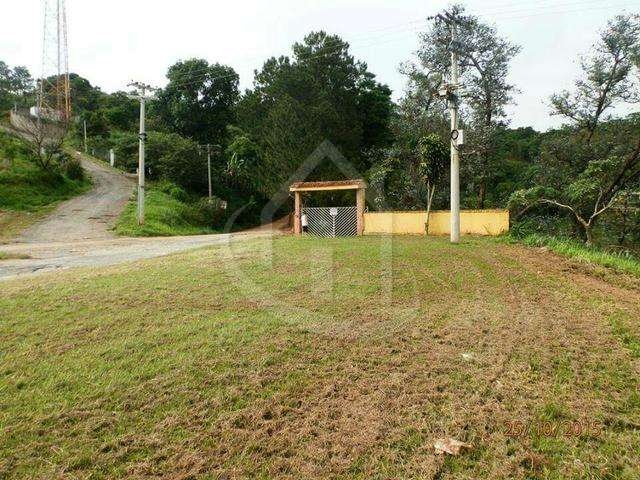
(472, 222)
(51, 132)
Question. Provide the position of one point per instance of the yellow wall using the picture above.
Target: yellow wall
(472, 222)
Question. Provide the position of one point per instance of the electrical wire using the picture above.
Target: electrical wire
(506, 14)
(329, 51)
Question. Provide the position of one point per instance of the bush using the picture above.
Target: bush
(209, 213)
(72, 168)
(173, 190)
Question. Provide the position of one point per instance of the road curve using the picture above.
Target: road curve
(49, 257)
(90, 216)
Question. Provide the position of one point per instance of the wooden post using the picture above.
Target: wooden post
(360, 210)
(297, 226)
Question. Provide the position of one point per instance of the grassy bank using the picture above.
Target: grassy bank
(166, 214)
(320, 358)
(26, 191)
(591, 255)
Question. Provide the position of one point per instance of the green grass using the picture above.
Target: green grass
(13, 256)
(164, 216)
(582, 253)
(26, 191)
(320, 358)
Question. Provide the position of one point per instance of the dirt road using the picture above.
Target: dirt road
(78, 233)
(47, 257)
(90, 216)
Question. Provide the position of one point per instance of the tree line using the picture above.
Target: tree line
(580, 180)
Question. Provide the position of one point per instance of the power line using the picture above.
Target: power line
(522, 13)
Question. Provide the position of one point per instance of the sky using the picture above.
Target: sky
(114, 42)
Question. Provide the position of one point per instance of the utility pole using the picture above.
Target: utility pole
(142, 136)
(455, 157)
(84, 123)
(209, 168)
(209, 147)
(448, 91)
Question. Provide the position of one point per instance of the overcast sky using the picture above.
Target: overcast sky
(112, 42)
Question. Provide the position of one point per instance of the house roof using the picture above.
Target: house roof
(355, 184)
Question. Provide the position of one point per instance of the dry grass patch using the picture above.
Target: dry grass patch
(307, 358)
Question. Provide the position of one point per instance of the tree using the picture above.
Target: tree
(405, 176)
(320, 93)
(484, 65)
(120, 111)
(607, 77)
(432, 157)
(242, 159)
(198, 102)
(15, 85)
(21, 83)
(589, 165)
(5, 86)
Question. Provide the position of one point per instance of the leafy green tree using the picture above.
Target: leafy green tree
(5, 86)
(406, 176)
(120, 111)
(84, 96)
(287, 138)
(432, 157)
(587, 167)
(198, 102)
(16, 85)
(608, 78)
(320, 93)
(243, 156)
(484, 65)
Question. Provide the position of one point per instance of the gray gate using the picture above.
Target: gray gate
(331, 221)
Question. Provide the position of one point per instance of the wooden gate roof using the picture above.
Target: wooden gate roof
(356, 184)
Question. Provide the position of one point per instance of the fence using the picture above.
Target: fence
(472, 222)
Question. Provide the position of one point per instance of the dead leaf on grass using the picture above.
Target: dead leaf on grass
(450, 446)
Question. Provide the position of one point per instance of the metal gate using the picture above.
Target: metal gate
(331, 221)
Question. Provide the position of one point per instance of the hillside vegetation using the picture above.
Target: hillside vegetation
(26, 191)
(169, 210)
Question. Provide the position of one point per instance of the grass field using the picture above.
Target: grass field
(307, 358)
(590, 255)
(27, 193)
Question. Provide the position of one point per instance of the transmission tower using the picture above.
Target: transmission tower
(54, 93)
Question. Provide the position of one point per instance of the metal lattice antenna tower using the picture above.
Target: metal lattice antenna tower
(54, 92)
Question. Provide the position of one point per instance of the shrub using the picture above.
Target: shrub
(206, 212)
(72, 168)
(173, 190)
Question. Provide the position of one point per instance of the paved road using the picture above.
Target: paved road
(90, 216)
